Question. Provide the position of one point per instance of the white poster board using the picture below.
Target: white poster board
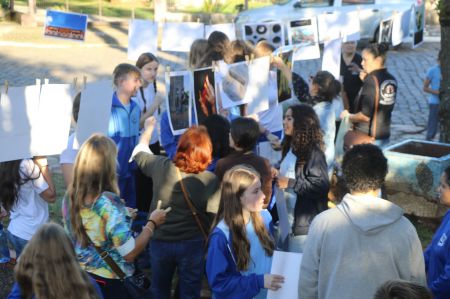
(331, 60)
(288, 265)
(272, 32)
(244, 83)
(330, 25)
(142, 38)
(400, 27)
(304, 36)
(228, 29)
(178, 37)
(179, 91)
(51, 126)
(160, 10)
(18, 108)
(95, 110)
(350, 31)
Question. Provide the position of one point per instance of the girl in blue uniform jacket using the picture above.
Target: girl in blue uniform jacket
(437, 255)
(240, 248)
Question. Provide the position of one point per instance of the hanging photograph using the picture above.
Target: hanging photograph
(304, 36)
(65, 25)
(271, 32)
(284, 88)
(203, 89)
(178, 100)
(419, 23)
(385, 35)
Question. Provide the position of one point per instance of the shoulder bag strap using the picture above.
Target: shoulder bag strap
(375, 112)
(191, 206)
(104, 255)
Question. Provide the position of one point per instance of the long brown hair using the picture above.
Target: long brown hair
(48, 267)
(94, 172)
(235, 182)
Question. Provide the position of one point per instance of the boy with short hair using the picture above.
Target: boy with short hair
(431, 85)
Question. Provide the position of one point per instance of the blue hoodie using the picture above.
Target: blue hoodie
(124, 130)
(437, 261)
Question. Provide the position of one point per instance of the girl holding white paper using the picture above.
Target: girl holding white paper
(240, 247)
(26, 188)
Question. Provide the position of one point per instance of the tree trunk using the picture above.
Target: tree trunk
(444, 107)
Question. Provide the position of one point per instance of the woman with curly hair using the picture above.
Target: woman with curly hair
(240, 247)
(303, 171)
(48, 269)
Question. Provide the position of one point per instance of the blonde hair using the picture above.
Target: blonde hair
(48, 267)
(123, 70)
(94, 172)
(234, 183)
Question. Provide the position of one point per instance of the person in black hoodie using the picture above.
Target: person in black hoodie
(304, 139)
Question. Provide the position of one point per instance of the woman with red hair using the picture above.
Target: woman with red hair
(186, 186)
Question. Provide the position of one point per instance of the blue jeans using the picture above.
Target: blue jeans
(17, 243)
(4, 250)
(433, 119)
(187, 256)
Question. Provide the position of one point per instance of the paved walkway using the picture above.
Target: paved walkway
(26, 55)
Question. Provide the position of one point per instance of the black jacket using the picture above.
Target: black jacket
(311, 185)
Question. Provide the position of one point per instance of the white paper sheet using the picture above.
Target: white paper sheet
(288, 265)
(178, 37)
(304, 36)
(52, 123)
(400, 27)
(285, 228)
(244, 83)
(142, 38)
(18, 108)
(228, 29)
(330, 25)
(95, 110)
(351, 28)
(331, 60)
(179, 92)
(272, 32)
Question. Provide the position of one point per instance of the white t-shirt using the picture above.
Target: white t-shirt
(149, 94)
(69, 155)
(30, 210)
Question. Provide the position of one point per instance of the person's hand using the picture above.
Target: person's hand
(274, 172)
(273, 281)
(150, 123)
(274, 141)
(344, 114)
(132, 212)
(277, 62)
(282, 182)
(158, 216)
(353, 67)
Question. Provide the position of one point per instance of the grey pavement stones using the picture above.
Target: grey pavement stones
(25, 55)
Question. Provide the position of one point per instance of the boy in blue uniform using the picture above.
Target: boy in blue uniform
(124, 127)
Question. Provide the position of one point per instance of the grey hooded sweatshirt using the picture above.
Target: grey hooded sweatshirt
(354, 248)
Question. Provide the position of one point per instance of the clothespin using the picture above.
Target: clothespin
(38, 81)
(168, 69)
(6, 86)
(74, 83)
(46, 80)
(247, 59)
(281, 52)
(198, 20)
(252, 57)
(84, 82)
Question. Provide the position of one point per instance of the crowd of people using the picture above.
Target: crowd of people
(204, 203)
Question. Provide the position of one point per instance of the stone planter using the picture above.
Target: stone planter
(415, 168)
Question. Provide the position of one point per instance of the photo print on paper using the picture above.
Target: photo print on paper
(284, 88)
(304, 36)
(203, 85)
(178, 101)
(272, 32)
(65, 25)
(385, 35)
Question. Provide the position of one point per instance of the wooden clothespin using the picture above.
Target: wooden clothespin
(168, 69)
(84, 82)
(252, 57)
(38, 81)
(198, 20)
(74, 83)
(247, 59)
(46, 80)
